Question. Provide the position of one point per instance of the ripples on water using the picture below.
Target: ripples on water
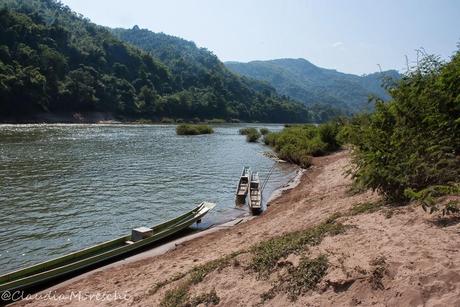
(66, 187)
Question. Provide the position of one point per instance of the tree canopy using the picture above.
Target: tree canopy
(54, 60)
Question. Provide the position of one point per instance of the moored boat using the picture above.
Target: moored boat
(44, 272)
(255, 194)
(243, 185)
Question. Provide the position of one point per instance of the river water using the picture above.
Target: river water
(67, 187)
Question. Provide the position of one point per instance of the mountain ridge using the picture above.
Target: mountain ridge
(54, 60)
(302, 80)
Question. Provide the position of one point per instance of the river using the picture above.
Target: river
(67, 187)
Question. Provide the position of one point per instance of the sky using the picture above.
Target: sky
(352, 36)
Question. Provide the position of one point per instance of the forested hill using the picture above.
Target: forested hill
(54, 60)
(301, 80)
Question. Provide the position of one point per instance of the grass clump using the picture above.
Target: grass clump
(299, 279)
(305, 276)
(198, 273)
(366, 207)
(187, 129)
(179, 296)
(176, 297)
(266, 254)
(206, 299)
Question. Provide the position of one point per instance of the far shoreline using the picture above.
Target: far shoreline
(96, 118)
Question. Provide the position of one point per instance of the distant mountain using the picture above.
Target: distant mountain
(53, 60)
(303, 81)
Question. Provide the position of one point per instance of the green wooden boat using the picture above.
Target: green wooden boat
(44, 272)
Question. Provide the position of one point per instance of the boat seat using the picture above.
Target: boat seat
(140, 233)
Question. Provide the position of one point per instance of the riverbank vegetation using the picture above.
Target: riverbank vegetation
(251, 133)
(186, 129)
(298, 143)
(409, 148)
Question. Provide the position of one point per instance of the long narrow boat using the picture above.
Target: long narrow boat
(255, 195)
(243, 185)
(44, 272)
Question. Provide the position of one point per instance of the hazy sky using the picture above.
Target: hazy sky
(348, 35)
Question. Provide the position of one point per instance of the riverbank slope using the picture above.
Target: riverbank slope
(378, 256)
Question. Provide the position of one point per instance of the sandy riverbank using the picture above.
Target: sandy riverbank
(391, 257)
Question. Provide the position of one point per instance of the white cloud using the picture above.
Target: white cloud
(337, 44)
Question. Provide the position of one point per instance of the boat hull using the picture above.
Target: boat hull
(45, 272)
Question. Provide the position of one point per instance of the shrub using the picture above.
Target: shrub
(264, 131)
(328, 134)
(298, 143)
(245, 131)
(412, 142)
(186, 129)
(253, 136)
(216, 121)
(167, 120)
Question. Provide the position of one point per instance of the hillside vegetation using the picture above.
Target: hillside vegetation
(313, 85)
(203, 82)
(54, 60)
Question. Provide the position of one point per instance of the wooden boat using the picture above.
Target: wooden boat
(255, 194)
(243, 185)
(43, 272)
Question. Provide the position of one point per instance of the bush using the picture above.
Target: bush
(412, 142)
(167, 120)
(245, 131)
(216, 121)
(328, 134)
(187, 129)
(253, 135)
(297, 144)
(264, 131)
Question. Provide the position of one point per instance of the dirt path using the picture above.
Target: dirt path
(392, 257)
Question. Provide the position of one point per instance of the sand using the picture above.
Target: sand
(418, 254)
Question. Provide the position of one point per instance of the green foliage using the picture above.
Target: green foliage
(176, 297)
(365, 208)
(264, 131)
(252, 135)
(430, 198)
(198, 273)
(205, 299)
(410, 146)
(266, 254)
(216, 121)
(245, 131)
(54, 60)
(206, 88)
(328, 93)
(186, 129)
(180, 297)
(305, 276)
(298, 143)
